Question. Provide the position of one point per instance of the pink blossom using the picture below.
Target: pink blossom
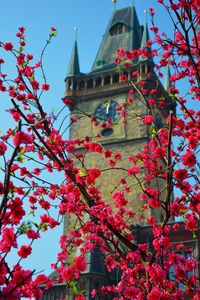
(148, 120)
(155, 294)
(189, 159)
(3, 148)
(24, 251)
(8, 46)
(22, 138)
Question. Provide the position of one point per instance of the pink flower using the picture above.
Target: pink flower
(180, 174)
(155, 294)
(191, 224)
(94, 293)
(80, 297)
(189, 159)
(123, 77)
(22, 138)
(31, 234)
(45, 87)
(67, 274)
(92, 175)
(148, 120)
(29, 56)
(3, 148)
(35, 85)
(8, 240)
(180, 273)
(80, 263)
(67, 101)
(133, 170)
(24, 251)
(8, 46)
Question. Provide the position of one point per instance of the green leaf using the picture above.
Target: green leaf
(82, 172)
(21, 158)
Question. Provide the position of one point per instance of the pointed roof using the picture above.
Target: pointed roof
(145, 37)
(167, 79)
(129, 37)
(143, 46)
(73, 68)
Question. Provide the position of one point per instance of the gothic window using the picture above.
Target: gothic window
(82, 85)
(143, 69)
(69, 85)
(116, 78)
(107, 80)
(118, 29)
(98, 81)
(90, 83)
(74, 85)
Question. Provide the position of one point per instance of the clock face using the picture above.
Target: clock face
(107, 112)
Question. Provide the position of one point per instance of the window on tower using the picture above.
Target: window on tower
(119, 28)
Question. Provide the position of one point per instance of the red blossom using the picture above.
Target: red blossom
(155, 294)
(67, 101)
(35, 85)
(45, 87)
(189, 159)
(148, 120)
(3, 148)
(79, 264)
(181, 174)
(24, 251)
(9, 239)
(93, 174)
(8, 46)
(134, 170)
(68, 273)
(22, 138)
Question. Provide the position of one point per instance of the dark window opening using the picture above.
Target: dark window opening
(143, 69)
(82, 85)
(90, 83)
(116, 78)
(118, 29)
(107, 132)
(74, 85)
(148, 69)
(69, 85)
(98, 81)
(107, 80)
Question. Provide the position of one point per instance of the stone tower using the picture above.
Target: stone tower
(99, 94)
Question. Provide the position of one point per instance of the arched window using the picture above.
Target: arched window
(98, 81)
(90, 83)
(118, 29)
(82, 85)
(107, 80)
(74, 84)
(116, 78)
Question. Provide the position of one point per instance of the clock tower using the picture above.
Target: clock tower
(102, 95)
(107, 113)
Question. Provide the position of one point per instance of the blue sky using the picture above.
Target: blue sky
(91, 18)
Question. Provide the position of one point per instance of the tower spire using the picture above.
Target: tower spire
(145, 37)
(73, 68)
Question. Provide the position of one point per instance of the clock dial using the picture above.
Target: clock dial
(107, 111)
